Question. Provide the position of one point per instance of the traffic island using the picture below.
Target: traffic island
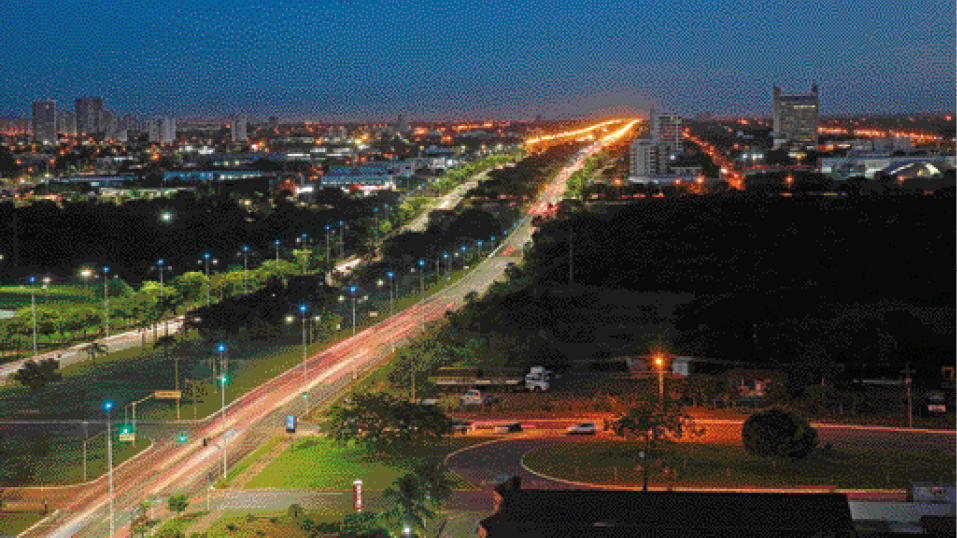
(617, 464)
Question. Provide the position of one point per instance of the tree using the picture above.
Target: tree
(380, 421)
(141, 524)
(178, 503)
(411, 504)
(36, 376)
(191, 287)
(778, 434)
(434, 480)
(364, 525)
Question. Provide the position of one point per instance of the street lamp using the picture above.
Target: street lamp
(33, 308)
(660, 363)
(161, 265)
(222, 419)
(205, 261)
(422, 268)
(342, 239)
(305, 391)
(276, 244)
(108, 406)
(106, 301)
(327, 244)
(86, 437)
(245, 269)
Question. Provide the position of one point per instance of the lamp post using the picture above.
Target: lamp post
(342, 239)
(660, 363)
(161, 265)
(276, 244)
(223, 359)
(222, 419)
(352, 293)
(106, 301)
(86, 437)
(33, 308)
(108, 406)
(245, 269)
(208, 284)
(305, 391)
(327, 245)
(375, 212)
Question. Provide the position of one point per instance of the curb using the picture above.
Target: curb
(822, 489)
(51, 515)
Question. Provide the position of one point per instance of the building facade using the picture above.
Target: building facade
(240, 128)
(108, 124)
(643, 162)
(67, 122)
(89, 113)
(163, 130)
(45, 121)
(796, 118)
(666, 132)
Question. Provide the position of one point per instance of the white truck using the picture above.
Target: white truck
(537, 379)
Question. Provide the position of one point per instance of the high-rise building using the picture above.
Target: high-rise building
(45, 121)
(163, 130)
(108, 125)
(796, 118)
(67, 120)
(666, 132)
(239, 127)
(402, 124)
(89, 113)
(643, 159)
(273, 122)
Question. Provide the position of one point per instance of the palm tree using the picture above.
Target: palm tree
(411, 504)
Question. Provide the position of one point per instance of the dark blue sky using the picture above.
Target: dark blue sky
(475, 59)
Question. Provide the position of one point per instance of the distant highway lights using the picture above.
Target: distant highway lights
(108, 407)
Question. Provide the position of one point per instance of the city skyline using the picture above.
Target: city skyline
(434, 60)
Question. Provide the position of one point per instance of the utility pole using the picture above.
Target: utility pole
(106, 301)
(910, 402)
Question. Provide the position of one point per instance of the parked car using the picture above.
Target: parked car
(584, 428)
(512, 427)
(461, 426)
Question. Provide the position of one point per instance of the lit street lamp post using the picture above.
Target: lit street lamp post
(222, 420)
(245, 269)
(106, 301)
(660, 363)
(108, 406)
(33, 308)
(342, 239)
(86, 437)
(208, 284)
(276, 244)
(305, 391)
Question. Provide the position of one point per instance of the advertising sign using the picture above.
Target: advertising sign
(290, 424)
(357, 495)
(168, 394)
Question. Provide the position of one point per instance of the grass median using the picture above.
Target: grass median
(319, 463)
(57, 459)
(614, 462)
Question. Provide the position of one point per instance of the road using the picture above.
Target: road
(490, 462)
(449, 201)
(171, 467)
(75, 354)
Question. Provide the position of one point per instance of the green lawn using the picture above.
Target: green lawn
(13, 523)
(277, 525)
(318, 463)
(614, 462)
(177, 526)
(63, 463)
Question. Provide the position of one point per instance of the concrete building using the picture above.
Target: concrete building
(273, 122)
(163, 130)
(643, 159)
(869, 164)
(239, 129)
(796, 118)
(402, 124)
(67, 122)
(666, 132)
(45, 121)
(108, 125)
(89, 113)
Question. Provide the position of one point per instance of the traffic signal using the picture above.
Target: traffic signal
(126, 429)
(182, 437)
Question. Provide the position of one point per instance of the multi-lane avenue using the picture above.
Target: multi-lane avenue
(172, 467)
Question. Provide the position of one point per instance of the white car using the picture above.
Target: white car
(584, 428)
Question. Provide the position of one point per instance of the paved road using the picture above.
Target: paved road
(172, 467)
(76, 354)
(449, 201)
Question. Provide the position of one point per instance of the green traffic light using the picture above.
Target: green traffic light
(182, 437)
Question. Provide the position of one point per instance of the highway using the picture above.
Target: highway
(171, 467)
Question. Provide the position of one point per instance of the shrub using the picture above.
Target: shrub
(777, 433)
(295, 511)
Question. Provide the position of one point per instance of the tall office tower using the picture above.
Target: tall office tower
(273, 122)
(131, 122)
(89, 112)
(163, 130)
(239, 128)
(796, 118)
(643, 159)
(108, 125)
(67, 120)
(402, 124)
(666, 131)
(45, 121)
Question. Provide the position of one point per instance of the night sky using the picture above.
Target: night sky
(464, 59)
